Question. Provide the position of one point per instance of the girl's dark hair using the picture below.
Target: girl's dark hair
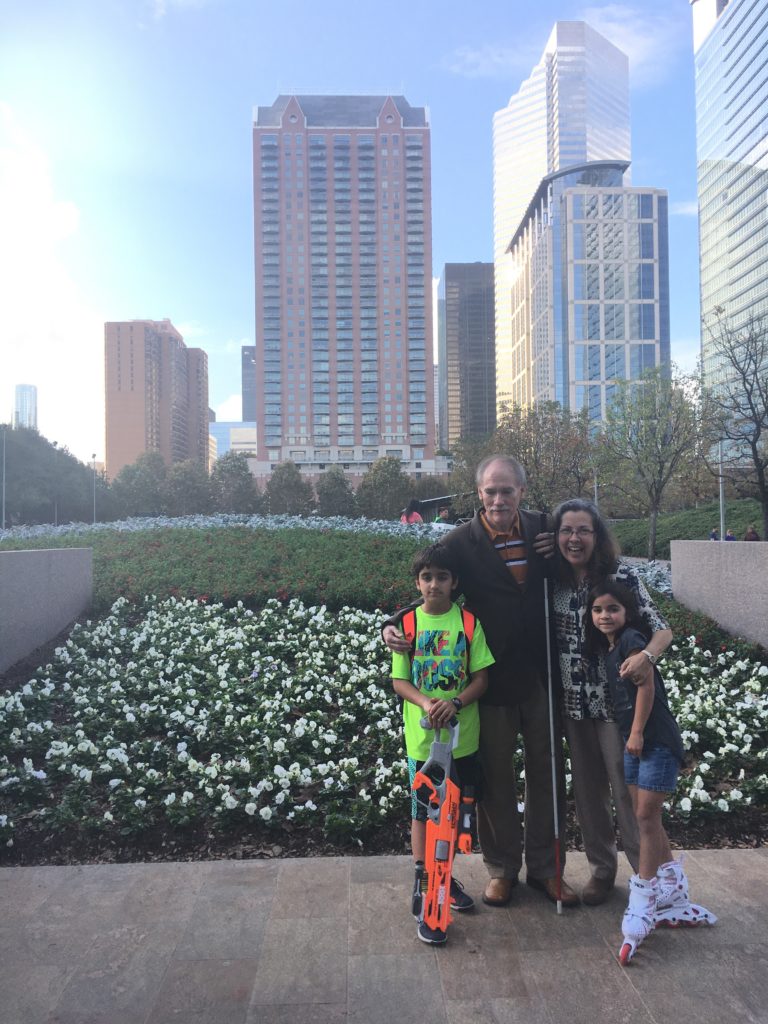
(594, 640)
(606, 553)
(414, 505)
(436, 556)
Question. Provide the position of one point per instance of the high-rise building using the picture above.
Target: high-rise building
(580, 257)
(248, 382)
(233, 437)
(343, 361)
(590, 289)
(730, 40)
(467, 353)
(156, 394)
(25, 406)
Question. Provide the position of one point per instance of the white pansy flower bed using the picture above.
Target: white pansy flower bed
(386, 527)
(182, 714)
(194, 714)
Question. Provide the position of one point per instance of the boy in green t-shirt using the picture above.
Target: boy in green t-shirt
(443, 678)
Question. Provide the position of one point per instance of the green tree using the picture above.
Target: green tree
(187, 489)
(335, 496)
(651, 428)
(139, 487)
(46, 484)
(384, 490)
(233, 486)
(737, 402)
(288, 492)
(553, 444)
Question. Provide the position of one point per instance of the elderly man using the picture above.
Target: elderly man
(501, 577)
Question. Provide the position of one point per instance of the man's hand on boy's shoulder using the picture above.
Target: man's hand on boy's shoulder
(391, 633)
(395, 640)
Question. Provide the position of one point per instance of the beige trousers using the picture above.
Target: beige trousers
(597, 766)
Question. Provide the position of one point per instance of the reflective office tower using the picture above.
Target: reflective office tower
(590, 289)
(730, 42)
(343, 250)
(25, 406)
(248, 382)
(568, 232)
(156, 395)
(466, 353)
(233, 437)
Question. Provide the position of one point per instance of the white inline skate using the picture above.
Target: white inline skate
(673, 907)
(638, 921)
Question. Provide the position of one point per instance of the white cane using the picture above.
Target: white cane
(558, 871)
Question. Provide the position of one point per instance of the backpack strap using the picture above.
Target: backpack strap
(408, 624)
(468, 621)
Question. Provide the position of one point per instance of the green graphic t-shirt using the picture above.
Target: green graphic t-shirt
(439, 667)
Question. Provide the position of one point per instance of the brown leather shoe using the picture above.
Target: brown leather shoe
(498, 892)
(549, 887)
(597, 891)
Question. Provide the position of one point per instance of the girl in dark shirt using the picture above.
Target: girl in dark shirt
(653, 754)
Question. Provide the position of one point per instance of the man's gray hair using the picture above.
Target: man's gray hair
(506, 460)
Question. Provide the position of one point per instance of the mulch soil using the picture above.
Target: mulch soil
(739, 831)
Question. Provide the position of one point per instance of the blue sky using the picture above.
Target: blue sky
(125, 158)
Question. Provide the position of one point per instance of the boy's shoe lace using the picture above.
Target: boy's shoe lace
(460, 900)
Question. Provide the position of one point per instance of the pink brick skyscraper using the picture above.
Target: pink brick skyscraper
(343, 255)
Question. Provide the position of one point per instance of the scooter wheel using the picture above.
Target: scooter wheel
(625, 954)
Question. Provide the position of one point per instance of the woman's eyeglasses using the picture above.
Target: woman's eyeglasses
(580, 531)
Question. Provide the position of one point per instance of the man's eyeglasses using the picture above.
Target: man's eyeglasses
(580, 531)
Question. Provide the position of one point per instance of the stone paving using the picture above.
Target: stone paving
(330, 940)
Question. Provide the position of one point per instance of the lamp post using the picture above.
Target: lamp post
(5, 428)
(721, 491)
(94, 487)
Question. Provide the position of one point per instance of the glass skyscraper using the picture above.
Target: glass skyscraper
(572, 109)
(25, 406)
(730, 43)
(590, 288)
(467, 377)
(582, 293)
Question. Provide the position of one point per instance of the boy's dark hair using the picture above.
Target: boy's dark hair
(436, 556)
(595, 641)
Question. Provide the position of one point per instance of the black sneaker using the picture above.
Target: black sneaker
(432, 936)
(460, 900)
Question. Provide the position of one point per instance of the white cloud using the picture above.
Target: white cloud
(684, 208)
(651, 40)
(161, 7)
(50, 335)
(196, 335)
(491, 61)
(230, 410)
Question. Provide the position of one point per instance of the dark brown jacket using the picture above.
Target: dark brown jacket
(512, 616)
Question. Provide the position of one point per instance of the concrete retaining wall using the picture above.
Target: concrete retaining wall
(727, 580)
(41, 593)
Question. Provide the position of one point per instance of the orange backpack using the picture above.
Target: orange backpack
(408, 623)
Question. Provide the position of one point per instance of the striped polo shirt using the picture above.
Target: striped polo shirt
(511, 548)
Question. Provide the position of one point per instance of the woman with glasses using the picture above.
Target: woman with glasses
(585, 554)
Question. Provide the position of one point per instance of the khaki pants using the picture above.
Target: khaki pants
(597, 764)
(498, 818)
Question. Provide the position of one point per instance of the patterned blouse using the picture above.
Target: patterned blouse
(585, 684)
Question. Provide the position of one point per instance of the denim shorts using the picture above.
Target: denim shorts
(657, 769)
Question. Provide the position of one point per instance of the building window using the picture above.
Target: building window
(641, 358)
